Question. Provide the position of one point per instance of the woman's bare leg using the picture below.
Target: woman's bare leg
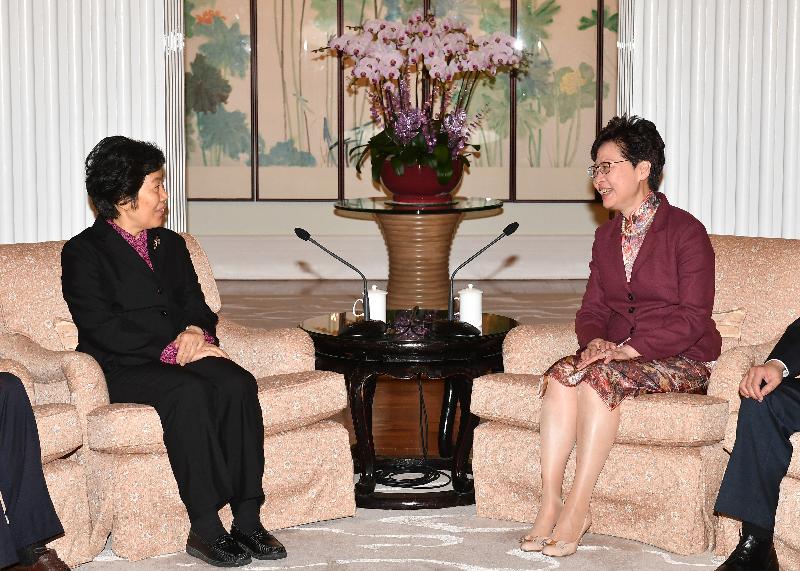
(557, 431)
(597, 430)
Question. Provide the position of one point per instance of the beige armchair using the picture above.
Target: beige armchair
(60, 435)
(660, 482)
(132, 492)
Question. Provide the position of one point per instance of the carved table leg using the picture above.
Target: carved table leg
(447, 419)
(461, 482)
(361, 389)
(419, 258)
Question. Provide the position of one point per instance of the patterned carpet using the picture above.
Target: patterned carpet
(449, 539)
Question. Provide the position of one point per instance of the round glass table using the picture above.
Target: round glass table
(418, 239)
(411, 347)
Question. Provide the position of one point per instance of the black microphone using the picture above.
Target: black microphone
(507, 231)
(304, 235)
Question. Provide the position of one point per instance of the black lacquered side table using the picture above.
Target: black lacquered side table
(456, 361)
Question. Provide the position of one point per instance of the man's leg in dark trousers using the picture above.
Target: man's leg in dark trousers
(760, 456)
(212, 424)
(29, 516)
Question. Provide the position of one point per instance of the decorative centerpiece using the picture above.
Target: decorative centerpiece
(420, 78)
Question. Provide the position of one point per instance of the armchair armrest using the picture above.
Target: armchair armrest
(23, 374)
(731, 367)
(266, 352)
(531, 349)
(83, 375)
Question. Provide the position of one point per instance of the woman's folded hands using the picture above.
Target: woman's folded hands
(608, 351)
(192, 346)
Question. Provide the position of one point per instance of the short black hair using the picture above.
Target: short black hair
(115, 171)
(638, 140)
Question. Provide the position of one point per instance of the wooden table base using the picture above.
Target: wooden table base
(419, 258)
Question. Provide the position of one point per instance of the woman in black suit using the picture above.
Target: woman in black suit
(136, 301)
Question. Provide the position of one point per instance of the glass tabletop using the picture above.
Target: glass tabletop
(401, 326)
(387, 206)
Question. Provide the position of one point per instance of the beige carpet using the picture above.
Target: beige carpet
(448, 539)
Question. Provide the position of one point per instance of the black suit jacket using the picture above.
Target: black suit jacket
(125, 312)
(788, 349)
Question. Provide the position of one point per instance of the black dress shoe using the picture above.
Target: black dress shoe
(222, 552)
(752, 554)
(261, 544)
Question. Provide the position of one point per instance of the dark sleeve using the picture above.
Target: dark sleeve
(195, 308)
(85, 291)
(788, 349)
(591, 320)
(686, 323)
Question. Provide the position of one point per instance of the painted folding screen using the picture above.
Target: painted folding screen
(539, 153)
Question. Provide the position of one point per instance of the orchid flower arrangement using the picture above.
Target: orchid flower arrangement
(420, 76)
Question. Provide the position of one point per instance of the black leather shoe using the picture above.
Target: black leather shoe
(222, 552)
(752, 554)
(261, 544)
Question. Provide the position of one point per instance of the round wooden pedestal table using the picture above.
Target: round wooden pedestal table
(418, 239)
(456, 361)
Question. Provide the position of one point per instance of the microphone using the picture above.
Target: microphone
(304, 235)
(507, 231)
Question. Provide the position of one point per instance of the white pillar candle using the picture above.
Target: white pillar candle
(470, 302)
(377, 304)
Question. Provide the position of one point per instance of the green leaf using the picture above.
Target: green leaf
(285, 153)
(409, 156)
(444, 173)
(188, 19)
(206, 89)
(224, 130)
(397, 166)
(227, 47)
(377, 165)
(610, 21)
(441, 153)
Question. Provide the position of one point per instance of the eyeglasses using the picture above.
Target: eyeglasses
(602, 168)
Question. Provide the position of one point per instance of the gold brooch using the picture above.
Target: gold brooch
(156, 242)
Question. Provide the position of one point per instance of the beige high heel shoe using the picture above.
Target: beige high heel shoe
(530, 543)
(555, 548)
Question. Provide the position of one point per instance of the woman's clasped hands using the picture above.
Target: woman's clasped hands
(192, 346)
(598, 349)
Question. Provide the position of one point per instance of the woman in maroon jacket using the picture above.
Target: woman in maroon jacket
(644, 326)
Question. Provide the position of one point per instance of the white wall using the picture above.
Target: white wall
(257, 241)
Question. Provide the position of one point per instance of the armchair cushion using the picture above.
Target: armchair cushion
(266, 352)
(531, 349)
(59, 430)
(794, 465)
(671, 419)
(125, 428)
(298, 399)
(287, 401)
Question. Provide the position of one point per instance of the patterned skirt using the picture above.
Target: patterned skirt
(618, 380)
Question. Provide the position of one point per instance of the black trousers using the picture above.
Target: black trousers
(212, 424)
(29, 514)
(761, 456)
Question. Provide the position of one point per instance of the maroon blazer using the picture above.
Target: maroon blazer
(666, 307)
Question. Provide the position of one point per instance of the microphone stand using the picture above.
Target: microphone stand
(451, 328)
(365, 327)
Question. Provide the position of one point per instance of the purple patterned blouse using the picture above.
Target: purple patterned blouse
(139, 243)
(635, 229)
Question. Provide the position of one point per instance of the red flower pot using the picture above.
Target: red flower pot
(418, 184)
